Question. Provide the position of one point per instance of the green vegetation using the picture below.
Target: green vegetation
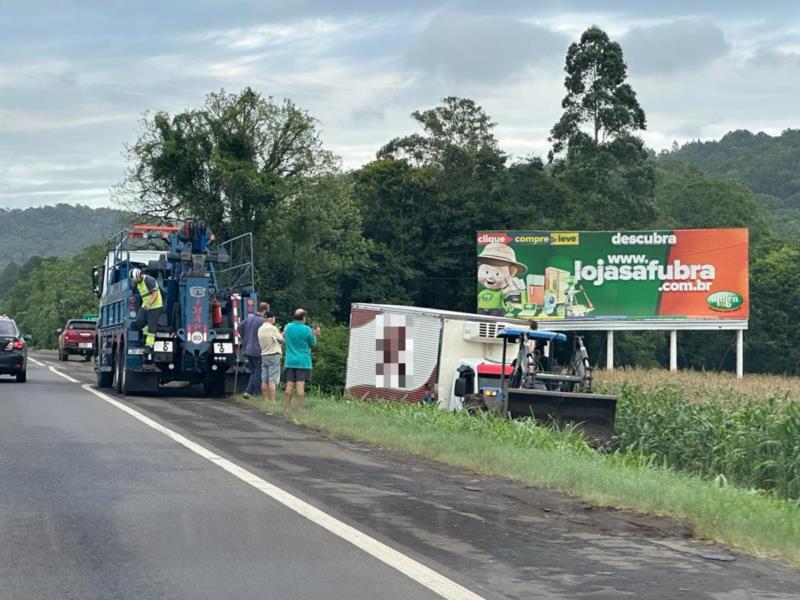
(746, 443)
(60, 230)
(753, 521)
(49, 291)
(744, 432)
(765, 164)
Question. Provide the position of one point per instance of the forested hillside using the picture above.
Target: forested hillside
(768, 165)
(60, 230)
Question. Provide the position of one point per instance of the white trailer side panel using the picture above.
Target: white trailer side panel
(393, 353)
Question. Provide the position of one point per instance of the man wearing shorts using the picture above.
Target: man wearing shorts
(298, 338)
(270, 340)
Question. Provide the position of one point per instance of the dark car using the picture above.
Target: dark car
(77, 337)
(13, 350)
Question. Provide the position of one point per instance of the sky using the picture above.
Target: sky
(78, 76)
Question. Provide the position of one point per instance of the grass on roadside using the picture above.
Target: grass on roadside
(753, 521)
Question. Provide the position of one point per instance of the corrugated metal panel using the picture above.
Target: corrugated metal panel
(422, 330)
(361, 349)
(426, 332)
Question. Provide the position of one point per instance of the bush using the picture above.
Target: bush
(330, 358)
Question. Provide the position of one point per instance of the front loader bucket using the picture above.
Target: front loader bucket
(593, 414)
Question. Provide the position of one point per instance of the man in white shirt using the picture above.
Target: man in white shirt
(270, 340)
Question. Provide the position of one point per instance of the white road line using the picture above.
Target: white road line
(446, 588)
(64, 375)
(54, 370)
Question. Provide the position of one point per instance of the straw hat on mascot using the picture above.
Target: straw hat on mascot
(497, 277)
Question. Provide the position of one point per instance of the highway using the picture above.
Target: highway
(185, 497)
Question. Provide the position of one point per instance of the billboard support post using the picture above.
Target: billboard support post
(739, 353)
(673, 350)
(610, 350)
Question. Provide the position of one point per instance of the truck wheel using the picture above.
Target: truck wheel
(104, 378)
(22, 376)
(121, 378)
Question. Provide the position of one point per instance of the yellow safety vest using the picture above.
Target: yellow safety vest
(149, 301)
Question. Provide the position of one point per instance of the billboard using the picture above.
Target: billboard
(682, 273)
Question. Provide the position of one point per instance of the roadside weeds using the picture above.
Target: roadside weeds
(755, 522)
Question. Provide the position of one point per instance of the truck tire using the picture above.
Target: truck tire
(104, 378)
(22, 376)
(121, 373)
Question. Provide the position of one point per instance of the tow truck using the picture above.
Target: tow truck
(207, 288)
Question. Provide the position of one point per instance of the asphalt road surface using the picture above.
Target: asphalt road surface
(96, 503)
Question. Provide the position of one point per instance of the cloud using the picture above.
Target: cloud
(462, 47)
(73, 85)
(673, 46)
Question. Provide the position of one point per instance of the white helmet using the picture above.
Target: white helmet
(136, 274)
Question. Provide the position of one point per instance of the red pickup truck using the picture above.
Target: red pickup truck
(77, 337)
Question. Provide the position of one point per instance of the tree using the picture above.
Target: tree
(613, 183)
(392, 196)
(609, 169)
(685, 198)
(231, 162)
(49, 291)
(597, 94)
(9, 276)
(458, 123)
(309, 246)
(774, 328)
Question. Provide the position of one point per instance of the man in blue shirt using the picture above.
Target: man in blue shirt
(248, 329)
(298, 339)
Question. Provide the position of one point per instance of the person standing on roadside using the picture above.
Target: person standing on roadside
(270, 340)
(248, 329)
(299, 338)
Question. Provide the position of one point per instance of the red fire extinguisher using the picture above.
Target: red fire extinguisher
(216, 313)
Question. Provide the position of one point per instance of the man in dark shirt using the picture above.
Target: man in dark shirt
(248, 329)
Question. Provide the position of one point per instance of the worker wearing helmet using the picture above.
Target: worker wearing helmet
(152, 306)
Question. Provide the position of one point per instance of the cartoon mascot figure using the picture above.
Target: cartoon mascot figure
(497, 278)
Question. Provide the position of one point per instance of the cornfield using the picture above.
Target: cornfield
(746, 433)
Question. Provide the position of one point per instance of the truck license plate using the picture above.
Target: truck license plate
(89, 345)
(162, 346)
(222, 348)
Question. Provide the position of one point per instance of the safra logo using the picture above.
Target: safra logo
(725, 301)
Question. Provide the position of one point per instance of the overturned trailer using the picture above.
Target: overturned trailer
(454, 359)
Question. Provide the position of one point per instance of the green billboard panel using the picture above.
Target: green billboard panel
(691, 273)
